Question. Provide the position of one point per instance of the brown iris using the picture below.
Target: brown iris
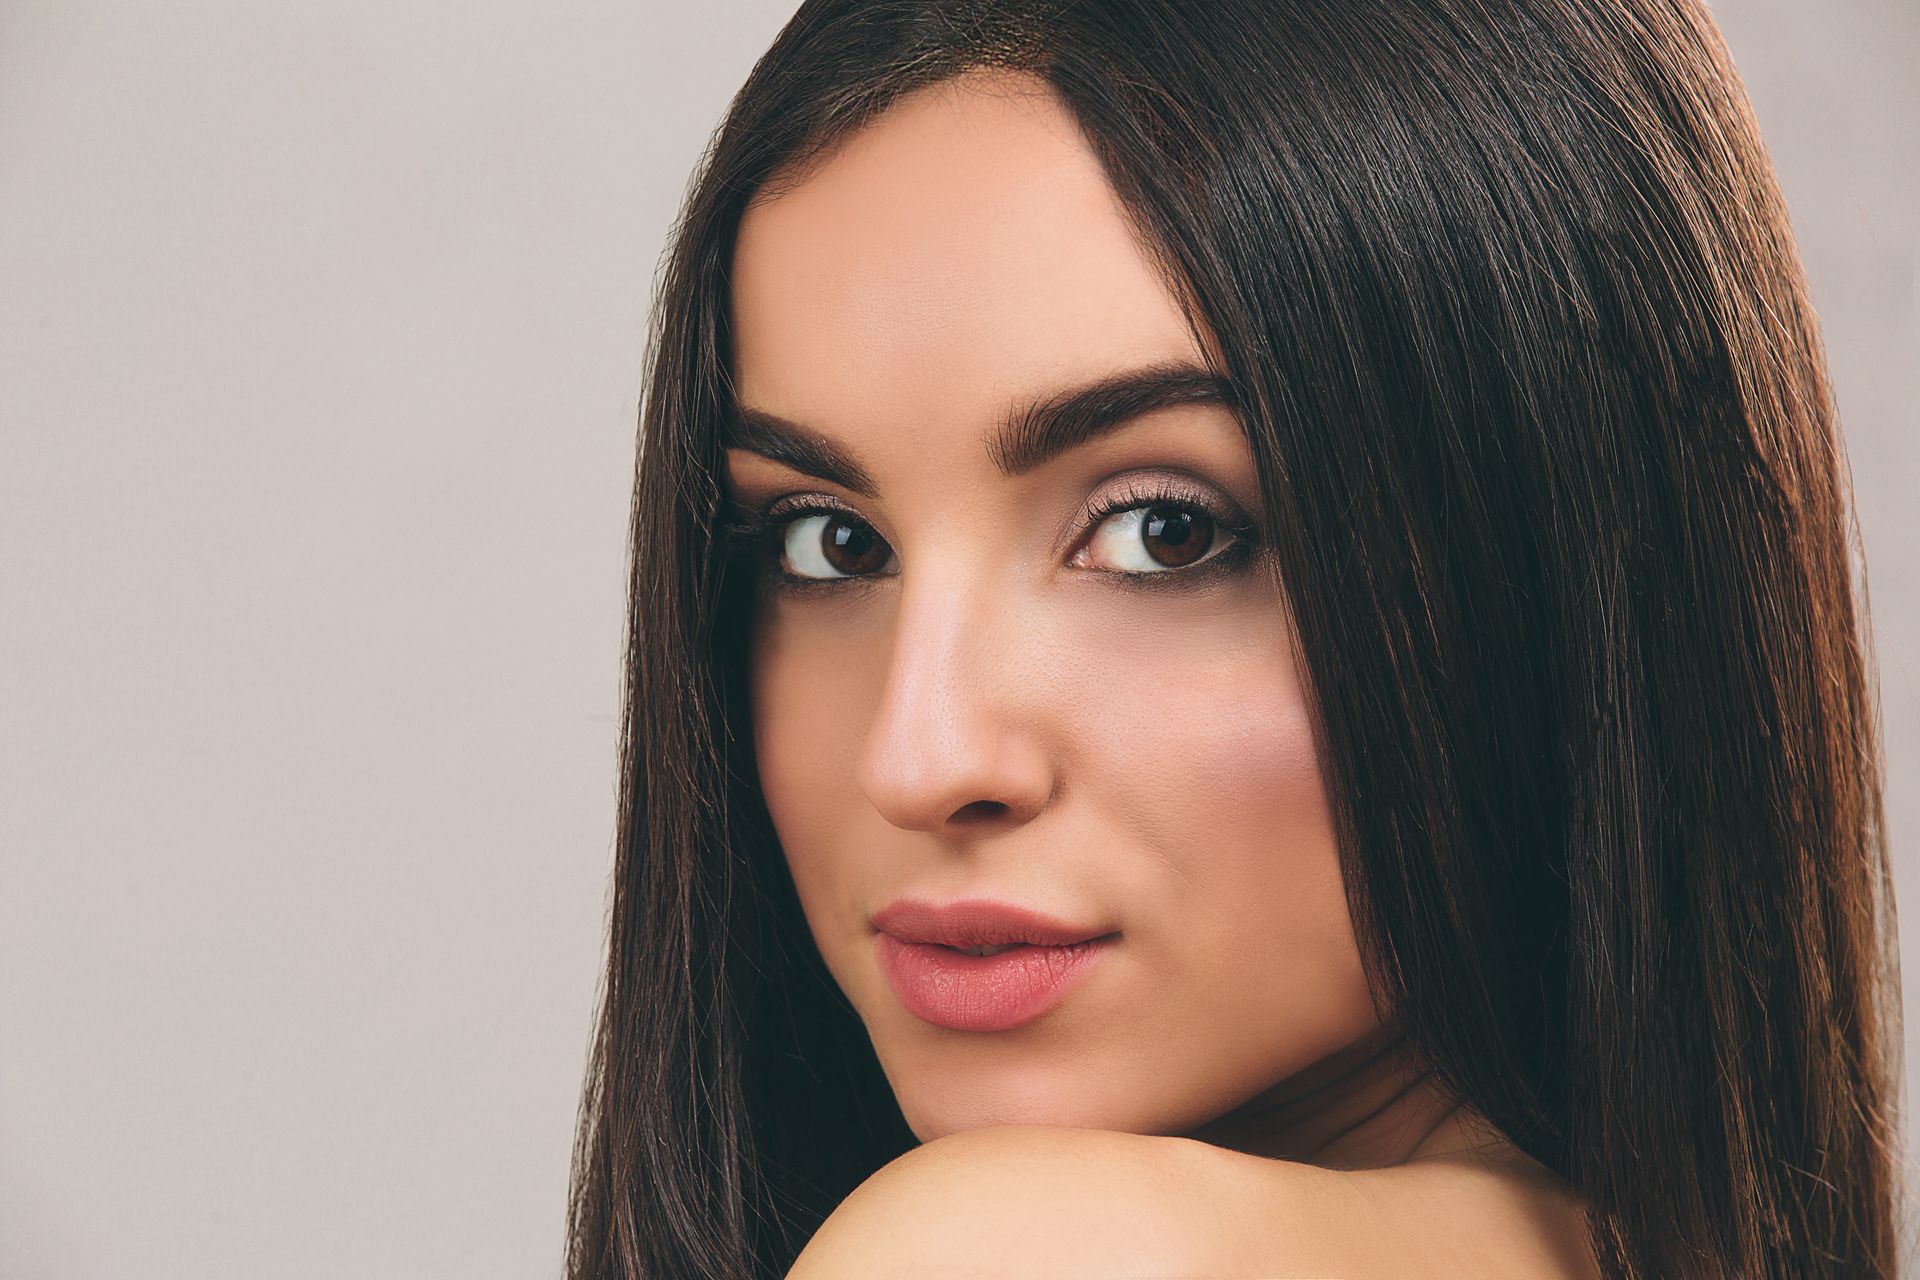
(851, 547)
(1185, 532)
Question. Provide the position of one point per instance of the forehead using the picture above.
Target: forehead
(961, 252)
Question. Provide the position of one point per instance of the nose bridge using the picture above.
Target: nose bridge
(950, 728)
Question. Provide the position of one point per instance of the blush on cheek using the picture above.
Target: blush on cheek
(1284, 814)
(1244, 744)
(1235, 803)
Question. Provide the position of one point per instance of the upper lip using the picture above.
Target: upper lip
(977, 922)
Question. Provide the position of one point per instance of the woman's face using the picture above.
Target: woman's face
(967, 696)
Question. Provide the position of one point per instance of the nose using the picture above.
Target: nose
(953, 742)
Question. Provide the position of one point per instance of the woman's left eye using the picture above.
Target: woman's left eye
(1156, 538)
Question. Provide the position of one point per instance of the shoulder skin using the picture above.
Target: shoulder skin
(1092, 1204)
(1034, 1200)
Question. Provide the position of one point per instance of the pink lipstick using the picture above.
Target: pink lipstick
(920, 951)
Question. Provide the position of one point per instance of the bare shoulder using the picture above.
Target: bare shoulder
(1024, 1200)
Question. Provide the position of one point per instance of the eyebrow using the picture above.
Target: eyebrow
(1030, 436)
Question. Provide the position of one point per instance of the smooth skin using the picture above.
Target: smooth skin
(1087, 1204)
(986, 704)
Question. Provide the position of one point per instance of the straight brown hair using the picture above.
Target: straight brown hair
(1515, 324)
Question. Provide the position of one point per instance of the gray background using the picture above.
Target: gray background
(320, 338)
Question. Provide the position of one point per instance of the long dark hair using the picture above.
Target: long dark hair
(1509, 300)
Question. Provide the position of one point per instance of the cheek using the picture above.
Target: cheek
(1241, 905)
(804, 699)
(1270, 846)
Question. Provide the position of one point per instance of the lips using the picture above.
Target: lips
(1046, 958)
(979, 922)
(962, 992)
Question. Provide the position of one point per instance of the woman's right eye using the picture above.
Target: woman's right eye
(822, 546)
(798, 547)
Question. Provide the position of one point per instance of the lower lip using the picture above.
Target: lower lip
(985, 993)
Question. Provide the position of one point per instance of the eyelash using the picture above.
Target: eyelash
(759, 536)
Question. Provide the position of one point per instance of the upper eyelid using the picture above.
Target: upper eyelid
(1140, 491)
(1133, 491)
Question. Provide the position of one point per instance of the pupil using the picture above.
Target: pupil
(1182, 529)
(850, 546)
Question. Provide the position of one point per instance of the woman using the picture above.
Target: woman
(1318, 524)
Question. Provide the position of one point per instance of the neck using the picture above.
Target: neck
(1368, 1105)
